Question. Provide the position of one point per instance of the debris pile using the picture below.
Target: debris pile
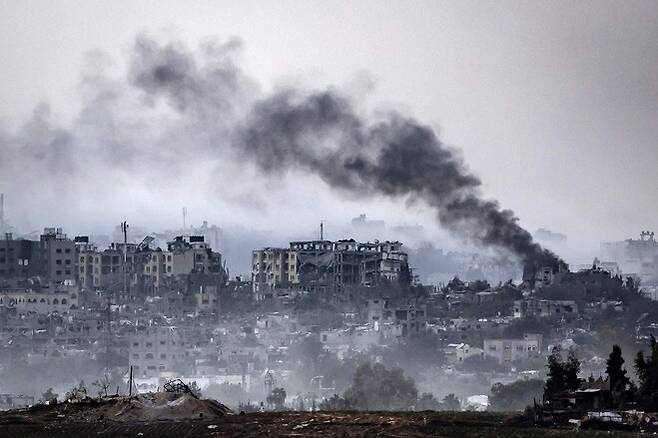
(162, 406)
(159, 406)
(178, 386)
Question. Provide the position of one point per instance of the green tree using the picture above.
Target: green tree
(450, 403)
(647, 373)
(571, 370)
(49, 395)
(427, 402)
(277, 398)
(617, 377)
(515, 396)
(334, 403)
(556, 373)
(375, 387)
(562, 375)
(414, 354)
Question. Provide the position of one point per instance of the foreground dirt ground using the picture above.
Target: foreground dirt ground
(289, 424)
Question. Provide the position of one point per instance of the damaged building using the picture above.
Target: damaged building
(326, 267)
(637, 256)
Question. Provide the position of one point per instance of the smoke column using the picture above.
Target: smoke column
(218, 108)
(390, 154)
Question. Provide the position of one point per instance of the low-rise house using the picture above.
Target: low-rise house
(41, 299)
(358, 338)
(410, 314)
(544, 308)
(510, 350)
(457, 353)
(156, 351)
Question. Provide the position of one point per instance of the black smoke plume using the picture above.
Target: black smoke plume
(390, 154)
(320, 132)
(393, 155)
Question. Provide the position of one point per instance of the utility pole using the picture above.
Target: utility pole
(130, 383)
(321, 230)
(108, 332)
(124, 229)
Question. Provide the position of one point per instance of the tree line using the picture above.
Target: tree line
(377, 388)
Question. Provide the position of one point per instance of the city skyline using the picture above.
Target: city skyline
(544, 157)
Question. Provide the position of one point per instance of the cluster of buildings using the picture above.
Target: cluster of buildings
(123, 273)
(174, 312)
(171, 310)
(326, 267)
(637, 256)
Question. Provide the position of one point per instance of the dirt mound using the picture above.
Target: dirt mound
(150, 407)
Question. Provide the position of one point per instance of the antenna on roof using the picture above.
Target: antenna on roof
(124, 229)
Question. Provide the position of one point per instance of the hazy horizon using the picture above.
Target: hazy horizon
(552, 106)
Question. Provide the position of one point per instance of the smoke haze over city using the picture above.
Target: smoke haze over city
(102, 112)
(328, 219)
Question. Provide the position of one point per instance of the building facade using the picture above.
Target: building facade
(506, 351)
(21, 258)
(157, 351)
(60, 255)
(42, 300)
(326, 267)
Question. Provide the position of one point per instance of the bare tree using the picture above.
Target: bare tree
(103, 384)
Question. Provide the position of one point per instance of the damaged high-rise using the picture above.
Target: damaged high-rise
(327, 267)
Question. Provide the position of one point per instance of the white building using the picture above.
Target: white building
(457, 353)
(156, 352)
(42, 300)
(510, 350)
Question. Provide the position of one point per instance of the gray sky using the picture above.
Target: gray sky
(553, 104)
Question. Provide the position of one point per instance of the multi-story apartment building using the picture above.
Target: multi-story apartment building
(107, 268)
(156, 266)
(136, 271)
(192, 254)
(21, 258)
(85, 251)
(207, 299)
(408, 314)
(60, 255)
(535, 307)
(157, 351)
(273, 268)
(326, 266)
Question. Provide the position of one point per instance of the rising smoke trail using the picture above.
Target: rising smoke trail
(322, 133)
(218, 108)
